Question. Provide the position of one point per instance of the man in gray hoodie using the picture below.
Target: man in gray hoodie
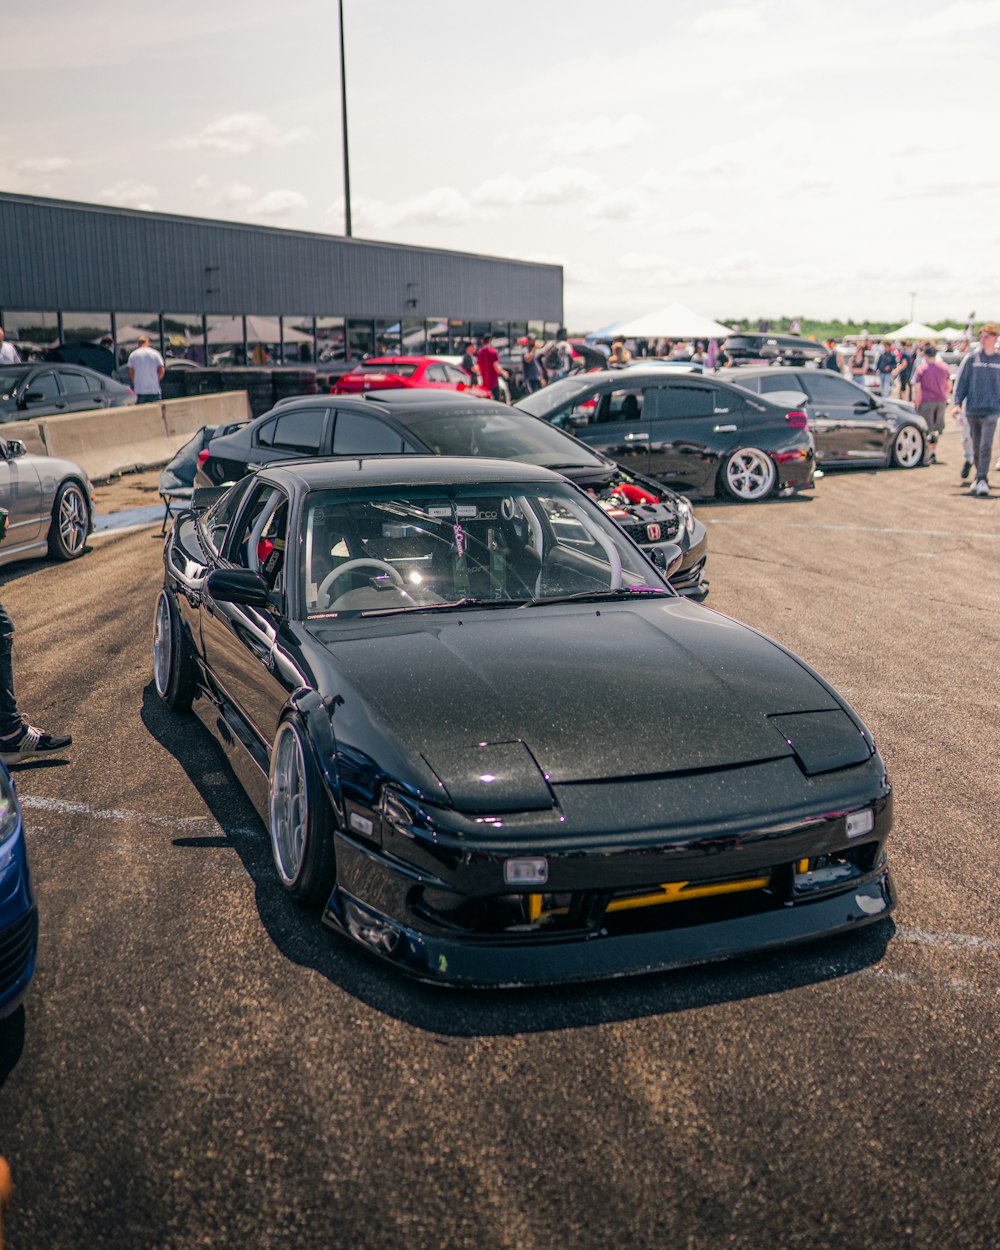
(978, 387)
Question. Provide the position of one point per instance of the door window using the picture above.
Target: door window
(780, 380)
(259, 542)
(436, 373)
(43, 388)
(623, 405)
(683, 401)
(220, 516)
(454, 374)
(75, 384)
(824, 388)
(299, 429)
(357, 434)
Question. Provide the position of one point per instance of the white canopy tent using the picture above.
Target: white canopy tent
(674, 321)
(951, 333)
(259, 330)
(915, 330)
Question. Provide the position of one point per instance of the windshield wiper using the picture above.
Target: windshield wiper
(596, 596)
(453, 605)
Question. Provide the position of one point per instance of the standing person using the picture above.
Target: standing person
(531, 366)
(468, 363)
(904, 369)
(834, 361)
(978, 387)
(145, 371)
(558, 360)
(490, 368)
(19, 740)
(885, 367)
(858, 365)
(931, 384)
(8, 352)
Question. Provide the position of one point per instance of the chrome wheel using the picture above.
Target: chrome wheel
(73, 520)
(749, 475)
(289, 804)
(908, 448)
(163, 643)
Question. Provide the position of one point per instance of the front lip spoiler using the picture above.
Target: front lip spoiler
(480, 963)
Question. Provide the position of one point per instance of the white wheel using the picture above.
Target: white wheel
(301, 842)
(748, 475)
(908, 447)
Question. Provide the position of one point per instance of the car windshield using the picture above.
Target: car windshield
(435, 548)
(549, 398)
(387, 366)
(11, 377)
(502, 435)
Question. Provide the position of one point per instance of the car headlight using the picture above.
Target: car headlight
(10, 813)
(686, 514)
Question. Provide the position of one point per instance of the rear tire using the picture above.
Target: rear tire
(747, 475)
(70, 526)
(301, 841)
(175, 674)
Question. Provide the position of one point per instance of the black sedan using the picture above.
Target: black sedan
(449, 424)
(493, 745)
(48, 389)
(697, 434)
(850, 426)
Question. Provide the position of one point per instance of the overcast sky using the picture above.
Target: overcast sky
(747, 157)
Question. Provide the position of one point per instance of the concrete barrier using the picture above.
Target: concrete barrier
(29, 432)
(117, 440)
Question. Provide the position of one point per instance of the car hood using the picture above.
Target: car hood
(593, 691)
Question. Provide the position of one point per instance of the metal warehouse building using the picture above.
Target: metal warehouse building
(226, 292)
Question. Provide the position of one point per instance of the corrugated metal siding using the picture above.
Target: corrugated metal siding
(85, 258)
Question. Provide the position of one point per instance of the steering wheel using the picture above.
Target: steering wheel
(348, 567)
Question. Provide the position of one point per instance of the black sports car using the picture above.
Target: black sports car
(696, 433)
(493, 745)
(850, 426)
(449, 424)
(789, 349)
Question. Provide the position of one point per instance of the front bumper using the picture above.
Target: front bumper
(614, 904)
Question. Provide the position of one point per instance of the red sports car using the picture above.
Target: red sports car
(392, 372)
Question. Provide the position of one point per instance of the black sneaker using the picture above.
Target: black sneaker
(32, 741)
(966, 469)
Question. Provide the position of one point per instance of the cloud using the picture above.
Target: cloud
(129, 194)
(239, 133)
(728, 23)
(278, 203)
(956, 19)
(622, 205)
(42, 165)
(597, 134)
(234, 193)
(434, 207)
(561, 185)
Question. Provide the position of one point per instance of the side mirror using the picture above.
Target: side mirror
(15, 448)
(238, 586)
(864, 405)
(666, 556)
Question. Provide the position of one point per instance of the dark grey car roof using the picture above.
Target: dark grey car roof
(405, 470)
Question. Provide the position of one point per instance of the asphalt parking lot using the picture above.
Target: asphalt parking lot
(199, 1064)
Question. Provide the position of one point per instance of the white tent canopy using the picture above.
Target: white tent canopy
(915, 330)
(259, 330)
(953, 332)
(674, 321)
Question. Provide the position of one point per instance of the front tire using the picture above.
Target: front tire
(174, 673)
(747, 475)
(70, 526)
(301, 844)
(907, 448)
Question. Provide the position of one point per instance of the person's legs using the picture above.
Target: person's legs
(11, 722)
(885, 384)
(983, 431)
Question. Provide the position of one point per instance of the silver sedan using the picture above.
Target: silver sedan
(50, 503)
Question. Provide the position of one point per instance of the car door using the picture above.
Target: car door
(436, 377)
(20, 494)
(41, 395)
(613, 421)
(241, 642)
(847, 424)
(80, 395)
(693, 424)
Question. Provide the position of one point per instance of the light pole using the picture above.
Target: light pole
(343, 123)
